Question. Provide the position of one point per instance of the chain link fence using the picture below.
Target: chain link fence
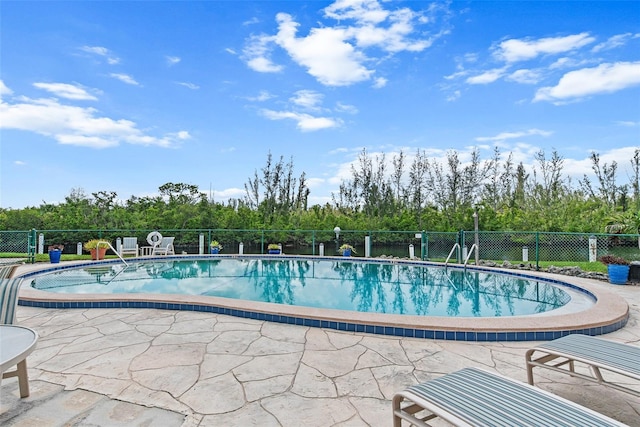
(498, 246)
(535, 247)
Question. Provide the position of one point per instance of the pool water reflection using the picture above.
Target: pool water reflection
(407, 289)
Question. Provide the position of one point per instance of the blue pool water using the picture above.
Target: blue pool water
(396, 288)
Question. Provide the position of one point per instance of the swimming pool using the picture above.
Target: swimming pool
(592, 309)
(394, 288)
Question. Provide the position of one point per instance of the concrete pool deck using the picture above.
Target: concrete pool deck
(123, 367)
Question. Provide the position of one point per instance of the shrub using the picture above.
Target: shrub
(613, 259)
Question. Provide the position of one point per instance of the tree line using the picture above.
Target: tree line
(407, 191)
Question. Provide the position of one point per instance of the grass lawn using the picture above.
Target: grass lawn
(585, 266)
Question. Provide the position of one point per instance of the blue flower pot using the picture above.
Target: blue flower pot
(215, 250)
(274, 251)
(618, 274)
(346, 252)
(54, 256)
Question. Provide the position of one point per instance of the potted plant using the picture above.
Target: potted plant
(55, 251)
(216, 247)
(346, 250)
(617, 267)
(273, 248)
(97, 248)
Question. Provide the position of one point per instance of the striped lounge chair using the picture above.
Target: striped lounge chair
(474, 397)
(9, 288)
(597, 354)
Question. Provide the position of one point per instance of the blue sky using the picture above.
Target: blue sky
(126, 96)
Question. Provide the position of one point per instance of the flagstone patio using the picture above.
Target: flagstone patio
(144, 367)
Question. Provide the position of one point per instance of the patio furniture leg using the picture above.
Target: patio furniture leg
(23, 377)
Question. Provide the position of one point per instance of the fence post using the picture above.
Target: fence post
(31, 246)
(241, 248)
(41, 243)
(412, 252)
(537, 250)
(79, 248)
(593, 248)
(321, 249)
(476, 239)
(201, 244)
(367, 246)
(424, 248)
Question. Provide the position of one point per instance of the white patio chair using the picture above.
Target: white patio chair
(164, 247)
(129, 246)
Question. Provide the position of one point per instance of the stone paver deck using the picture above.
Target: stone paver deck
(142, 367)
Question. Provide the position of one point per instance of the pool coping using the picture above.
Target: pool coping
(610, 312)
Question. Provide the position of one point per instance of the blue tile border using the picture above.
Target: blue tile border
(468, 336)
(452, 335)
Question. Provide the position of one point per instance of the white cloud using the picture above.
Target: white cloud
(379, 82)
(345, 108)
(103, 52)
(304, 122)
(513, 135)
(229, 193)
(65, 90)
(77, 126)
(525, 76)
(191, 86)
(457, 74)
(263, 65)
(489, 76)
(335, 56)
(566, 62)
(324, 53)
(614, 42)
(628, 123)
(514, 50)
(4, 90)
(307, 99)
(257, 51)
(172, 60)
(315, 182)
(261, 97)
(364, 11)
(125, 78)
(605, 78)
(375, 26)
(251, 21)
(19, 163)
(454, 96)
(182, 135)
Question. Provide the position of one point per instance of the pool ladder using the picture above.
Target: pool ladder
(474, 247)
(114, 251)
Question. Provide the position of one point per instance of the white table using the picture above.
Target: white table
(146, 250)
(16, 343)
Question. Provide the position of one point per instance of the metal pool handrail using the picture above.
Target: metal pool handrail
(451, 253)
(114, 251)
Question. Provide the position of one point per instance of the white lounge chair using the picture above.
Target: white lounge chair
(596, 353)
(129, 246)
(164, 247)
(474, 397)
